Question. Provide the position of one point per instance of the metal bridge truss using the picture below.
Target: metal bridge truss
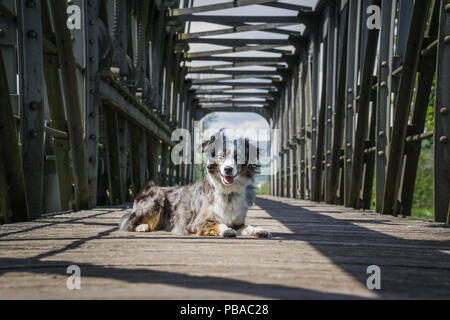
(87, 114)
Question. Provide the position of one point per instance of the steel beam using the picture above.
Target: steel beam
(31, 84)
(442, 120)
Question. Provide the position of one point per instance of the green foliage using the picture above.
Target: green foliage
(422, 206)
(264, 190)
(423, 191)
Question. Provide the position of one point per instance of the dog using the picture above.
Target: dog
(215, 206)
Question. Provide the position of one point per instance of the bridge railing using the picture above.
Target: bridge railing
(352, 113)
(90, 94)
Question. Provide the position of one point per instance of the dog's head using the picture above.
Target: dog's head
(232, 162)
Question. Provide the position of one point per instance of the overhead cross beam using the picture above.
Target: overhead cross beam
(227, 51)
(238, 19)
(213, 7)
(222, 98)
(261, 73)
(236, 29)
(237, 42)
(241, 85)
(237, 77)
(288, 6)
(231, 65)
(226, 91)
(255, 60)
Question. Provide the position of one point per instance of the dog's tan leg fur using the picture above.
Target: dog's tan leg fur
(150, 223)
(210, 228)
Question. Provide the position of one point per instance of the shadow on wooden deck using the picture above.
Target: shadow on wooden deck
(317, 252)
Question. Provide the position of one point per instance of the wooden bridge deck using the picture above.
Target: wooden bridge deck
(318, 251)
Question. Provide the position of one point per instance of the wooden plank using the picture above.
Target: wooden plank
(442, 120)
(12, 183)
(401, 112)
(323, 267)
(30, 50)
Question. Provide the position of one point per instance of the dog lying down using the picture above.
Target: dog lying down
(215, 206)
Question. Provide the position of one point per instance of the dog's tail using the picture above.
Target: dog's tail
(148, 208)
(126, 221)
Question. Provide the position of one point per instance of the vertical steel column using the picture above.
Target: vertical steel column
(351, 85)
(388, 11)
(330, 96)
(315, 101)
(92, 103)
(339, 106)
(139, 158)
(363, 101)
(401, 112)
(318, 161)
(12, 184)
(122, 140)
(31, 84)
(426, 69)
(139, 22)
(73, 109)
(114, 149)
(120, 37)
(442, 120)
(300, 120)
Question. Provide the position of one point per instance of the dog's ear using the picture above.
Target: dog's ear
(253, 163)
(204, 146)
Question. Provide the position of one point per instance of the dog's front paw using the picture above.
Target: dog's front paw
(263, 234)
(142, 228)
(229, 233)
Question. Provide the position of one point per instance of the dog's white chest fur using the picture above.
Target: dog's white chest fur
(229, 209)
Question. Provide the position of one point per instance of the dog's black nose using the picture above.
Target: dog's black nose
(228, 170)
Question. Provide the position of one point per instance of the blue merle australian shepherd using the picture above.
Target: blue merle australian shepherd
(215, 206)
